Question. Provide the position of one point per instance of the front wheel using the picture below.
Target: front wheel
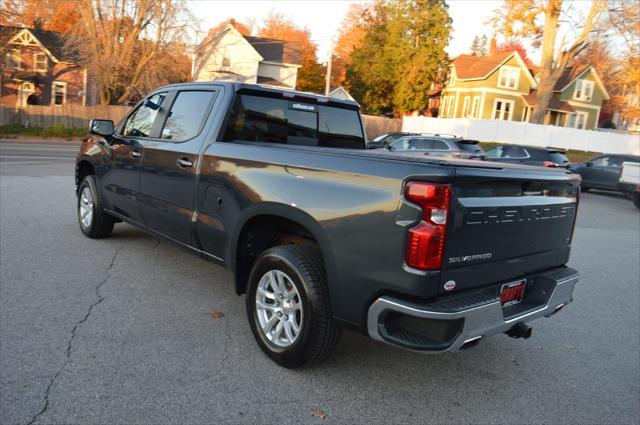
(94, 222)
(288, 306)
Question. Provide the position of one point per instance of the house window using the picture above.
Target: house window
(475, 107)
(14, 59)
(465, 106)
(226, 58)
(578, 120)
(502, 109)
(584, 90)
(508, 77)
(445, 101)
(40, 62)
(452, 78)
(58, 93)
(450, 111)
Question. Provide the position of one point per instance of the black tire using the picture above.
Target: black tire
(319, 332)
(101, 224)
(585, 189)
(636, 200)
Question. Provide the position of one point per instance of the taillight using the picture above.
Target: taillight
(425, 241)
(550, 164)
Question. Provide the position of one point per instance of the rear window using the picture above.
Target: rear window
(470, 146)
(264, 119)
(558, 157)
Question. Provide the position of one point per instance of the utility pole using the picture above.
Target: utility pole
(327, 85)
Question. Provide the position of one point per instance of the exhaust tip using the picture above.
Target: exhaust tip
(472, 342)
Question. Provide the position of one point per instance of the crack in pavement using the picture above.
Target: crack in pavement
(73, 335)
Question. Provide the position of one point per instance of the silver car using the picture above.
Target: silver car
(438, 145)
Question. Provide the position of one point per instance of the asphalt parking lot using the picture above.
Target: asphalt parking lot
(121, 330)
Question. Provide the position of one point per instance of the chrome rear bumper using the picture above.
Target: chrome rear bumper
(469, 317)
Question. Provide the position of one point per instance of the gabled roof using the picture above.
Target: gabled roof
(473, 67)
(572, 73)
(273, 50)
(52, 41)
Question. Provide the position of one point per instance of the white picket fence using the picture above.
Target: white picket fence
(520, 133)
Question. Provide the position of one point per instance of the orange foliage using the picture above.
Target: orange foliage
(350, 36)
(51, 15)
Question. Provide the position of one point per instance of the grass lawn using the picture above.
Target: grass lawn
(56, 131)
(573, 155)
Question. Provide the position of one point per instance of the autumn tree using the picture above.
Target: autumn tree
(537, 19)
(351, 33)
(51, 15)
(510, 46)
(131, 46)
(400, 55)
(312, 74)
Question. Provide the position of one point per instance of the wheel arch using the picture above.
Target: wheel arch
(282, 217)
(84, 167)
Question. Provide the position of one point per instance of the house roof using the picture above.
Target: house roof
(555, 104)
(274, 50)
(570, 73)
(53, 41)
(472, 66)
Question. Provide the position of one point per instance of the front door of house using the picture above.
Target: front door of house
(26, 89)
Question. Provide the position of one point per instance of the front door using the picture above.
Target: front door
(169, 164)
(121, 181)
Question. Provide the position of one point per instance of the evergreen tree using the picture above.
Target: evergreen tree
(483, 46)
(475, 46)
(393, 68)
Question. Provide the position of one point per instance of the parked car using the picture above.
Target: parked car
(387, 138)
(531, 155)
(602, 172)
(629, 182)
(438, 146)
(320, 233)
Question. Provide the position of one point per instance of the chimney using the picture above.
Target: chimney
(493, 45)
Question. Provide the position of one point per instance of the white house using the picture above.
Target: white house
(230, 56)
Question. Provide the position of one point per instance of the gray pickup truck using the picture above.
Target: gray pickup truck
(429, 254)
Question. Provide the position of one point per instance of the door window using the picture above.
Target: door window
(140, 122)
(603, 161)
(514, 152)
(187, 115)
(439, 145)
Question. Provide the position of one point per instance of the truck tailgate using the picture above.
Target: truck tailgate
(504, 227)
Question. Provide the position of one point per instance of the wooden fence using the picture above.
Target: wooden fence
(69, 116)
(78, 116)
(380, 125)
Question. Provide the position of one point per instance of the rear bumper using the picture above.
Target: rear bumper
(454, 322)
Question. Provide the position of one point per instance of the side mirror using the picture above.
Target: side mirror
(588, 164)
(101, 127)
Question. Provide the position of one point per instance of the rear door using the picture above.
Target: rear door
(170, 161)
(121, 181)
(506, 224)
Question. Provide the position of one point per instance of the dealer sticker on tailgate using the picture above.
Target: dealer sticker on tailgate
(512, 293)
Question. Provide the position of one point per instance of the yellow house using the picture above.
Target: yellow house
(501, 86)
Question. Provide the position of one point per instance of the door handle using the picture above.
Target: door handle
(184, 163)
(135, 154)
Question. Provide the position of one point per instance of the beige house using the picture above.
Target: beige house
(230, 56)
(501, 86)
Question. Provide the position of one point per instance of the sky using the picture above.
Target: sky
(323, 18)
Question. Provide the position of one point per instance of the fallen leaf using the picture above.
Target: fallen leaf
(216, 314)
(319, 414)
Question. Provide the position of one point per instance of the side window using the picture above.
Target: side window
(615, 161)
(440, 145)
(140, 122)
(419, 144)
(401, 144)
(603, 161)
(187, 115)
(514, 152)
(495, 152)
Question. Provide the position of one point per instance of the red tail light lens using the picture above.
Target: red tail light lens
(425, 241)
(550, 164)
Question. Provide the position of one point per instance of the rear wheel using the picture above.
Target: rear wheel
(288, 306)
(636, 199)
(94, 222)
